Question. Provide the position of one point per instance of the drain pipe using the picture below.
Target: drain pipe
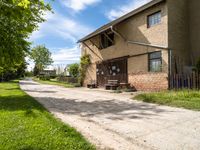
(170, 68)
(117, 33)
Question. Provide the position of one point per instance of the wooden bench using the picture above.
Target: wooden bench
(112, 85)
(125, 85)
(92, 84)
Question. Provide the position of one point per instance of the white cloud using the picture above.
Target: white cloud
(120, 11)
(66, 55)
(60, 26)
(36, 35)
(78, 5)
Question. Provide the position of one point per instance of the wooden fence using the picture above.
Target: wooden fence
(185, 81)
(67, 79)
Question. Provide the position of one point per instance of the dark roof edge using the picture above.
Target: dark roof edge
(115, 22)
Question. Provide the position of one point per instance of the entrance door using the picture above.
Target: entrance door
(112, 70)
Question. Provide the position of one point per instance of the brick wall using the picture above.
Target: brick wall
(149, 81)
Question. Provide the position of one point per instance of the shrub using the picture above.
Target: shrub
(45, 78)
(77, 85)
(85, 62)
(28, 74)
(74, 70)
(117, 91)
(129, 90)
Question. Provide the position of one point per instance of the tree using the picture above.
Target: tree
(18, 19)
(35, 71)
(41, 57)
(74, 70)
(16, 71)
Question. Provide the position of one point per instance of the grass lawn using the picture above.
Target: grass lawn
(54, 82)
(186, 98)
(27, 125)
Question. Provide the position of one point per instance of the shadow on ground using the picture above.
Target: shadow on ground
(116, 110)
(29, 83)
(36, 91)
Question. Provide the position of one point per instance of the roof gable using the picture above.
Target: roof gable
(121, 19)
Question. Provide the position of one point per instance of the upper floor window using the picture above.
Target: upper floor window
(154, 19)
(155, 62)
(107, 39)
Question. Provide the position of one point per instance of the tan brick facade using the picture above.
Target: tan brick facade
(146, 81)
(142, 80)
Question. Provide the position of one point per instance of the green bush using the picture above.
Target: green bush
(117, 91)
(85, 62)
(128, 90)
(28, 74)
(74, 70)
(45, 78)
(77, 85)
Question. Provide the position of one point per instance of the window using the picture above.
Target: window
(155, 62)
(107, 40)
(154, 19)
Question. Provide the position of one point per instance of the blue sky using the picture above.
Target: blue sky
(72, 20)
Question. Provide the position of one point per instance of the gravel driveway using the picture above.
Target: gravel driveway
(114, 121)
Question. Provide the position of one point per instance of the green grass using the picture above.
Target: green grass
(54, 82)
(188, 99)
(27, 125)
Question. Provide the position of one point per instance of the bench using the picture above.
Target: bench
(92, 84)
(125, 85)
(112, 85)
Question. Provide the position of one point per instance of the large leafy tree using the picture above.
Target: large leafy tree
(18, 19)
(41, 57)
(74, 70)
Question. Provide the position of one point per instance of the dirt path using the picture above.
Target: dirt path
(114, 121)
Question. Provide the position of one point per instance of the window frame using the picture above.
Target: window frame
(103, 37)
(148, 22)
(157, 58)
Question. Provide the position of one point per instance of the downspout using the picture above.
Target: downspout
(117, 33)
(170, 69)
